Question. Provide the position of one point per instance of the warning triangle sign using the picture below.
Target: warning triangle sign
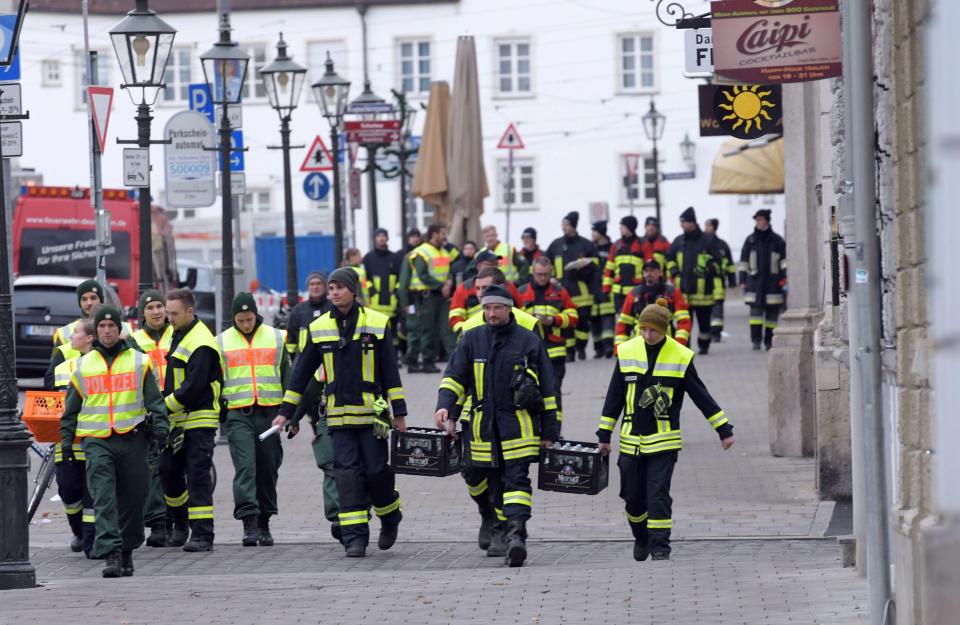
(318, 157)
(101, 101)
(511, 139)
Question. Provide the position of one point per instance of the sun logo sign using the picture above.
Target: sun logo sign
(749, 111)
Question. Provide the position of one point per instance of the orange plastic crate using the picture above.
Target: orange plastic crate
(41, 413)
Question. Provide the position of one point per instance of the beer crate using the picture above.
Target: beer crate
(425, 451)
(573, 467)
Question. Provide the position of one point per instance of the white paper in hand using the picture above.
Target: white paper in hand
(273, 430)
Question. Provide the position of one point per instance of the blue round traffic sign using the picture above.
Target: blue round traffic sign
(316, 186)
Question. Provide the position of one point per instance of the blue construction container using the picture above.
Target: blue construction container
(314, 252)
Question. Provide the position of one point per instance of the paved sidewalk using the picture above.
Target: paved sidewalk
(748, 526)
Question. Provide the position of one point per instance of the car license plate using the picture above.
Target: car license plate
(32, 330)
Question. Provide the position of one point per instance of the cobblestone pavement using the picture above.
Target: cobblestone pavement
(777, 568)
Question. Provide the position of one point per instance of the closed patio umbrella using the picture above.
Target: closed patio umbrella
(430, 173)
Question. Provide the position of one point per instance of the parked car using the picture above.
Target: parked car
(42, 304)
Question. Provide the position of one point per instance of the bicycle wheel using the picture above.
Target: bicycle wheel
(44, 477)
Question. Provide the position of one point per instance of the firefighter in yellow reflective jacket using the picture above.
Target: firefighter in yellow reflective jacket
(505, 371)
(254, 367)
(72, 476)
(115, 406)
(355, 347)
(191, 388)
(652, 374)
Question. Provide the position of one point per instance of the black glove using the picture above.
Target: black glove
(527, 396)
(175, 439)
(66, 453)
(157, 442)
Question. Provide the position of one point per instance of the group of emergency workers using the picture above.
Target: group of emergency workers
(142, 407)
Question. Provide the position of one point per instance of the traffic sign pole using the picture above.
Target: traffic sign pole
(510, 141)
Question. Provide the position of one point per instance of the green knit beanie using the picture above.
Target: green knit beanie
(89, 286)
(108, 313)
(243, 302)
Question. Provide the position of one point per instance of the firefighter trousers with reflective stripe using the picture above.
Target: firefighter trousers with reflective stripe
(256, 463)
(763, 321)
(645, 488)
(703, 315)
(601, 327)
(73, 491)
(716, 320)
(188, 472)
(323, 454)
(582, 330)
(477, 486)
(559, 372)
(117, 479)
(364, 477)
(510, 491)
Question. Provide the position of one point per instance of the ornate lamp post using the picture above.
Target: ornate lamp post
(283, 81)
(407, 115)
(225, 70)
(142, 42)
(15, 568)
(369, 101)
(688, 151)
(653, 125)
(331, 92)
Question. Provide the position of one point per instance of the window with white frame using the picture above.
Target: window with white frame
(514, 72)
(636, 63)
(642, 187)
(414, 66)
(253, 88)
(256, 201)
(317, 60)
(177, 76)
(419, 214)
(52, 75)
(522, 193)
(105, 62)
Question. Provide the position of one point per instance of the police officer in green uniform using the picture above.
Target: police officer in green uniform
(255, 365)
(354, 345)
(652, 374)
(191, 390)
(115, 406)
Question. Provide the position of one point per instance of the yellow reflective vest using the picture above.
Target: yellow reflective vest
(157, 350)
(252, 367)
(112, 394)
(207, 417)
(507, 262)
(61, 380)
(438, 263)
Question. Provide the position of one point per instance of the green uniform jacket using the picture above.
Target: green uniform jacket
(152, 400)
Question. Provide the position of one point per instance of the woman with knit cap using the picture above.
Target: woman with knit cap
(652, 374)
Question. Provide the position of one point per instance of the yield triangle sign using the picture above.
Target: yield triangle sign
(318, 157)
(511, 139)
(353, 149)
(633, 162)
(101, 101)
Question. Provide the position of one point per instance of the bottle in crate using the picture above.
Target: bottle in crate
(573, 467)
(425, 451)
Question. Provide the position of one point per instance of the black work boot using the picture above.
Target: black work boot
(76, 544)
(112, 568)
(264, 537)
(336, 532)
(158, 535)
(76, 526)
(196, 544)
(250, 532)
(756, 346)
(640, 551)
(126, 563)
(571, 355)
(516, 542)
(704, 345)
(582, 352)
(660, 555)
(485, 535)
(429, 367)
(498, 540)
(356, 549)
(179, 531)
(388, 535)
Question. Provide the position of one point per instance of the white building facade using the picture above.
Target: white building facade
(575, 77)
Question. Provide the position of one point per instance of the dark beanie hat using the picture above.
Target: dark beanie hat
(108, 313)
(380, 231)
(530, 232)
(689, 215)
(150, 295)
(713, 222)
(652, 221)
(763, 212)
(316, 275)
(89, 286)
(346, 277)
(243, 302)
(601, 226)
(630, 222)
(573, 218)
(497, 294)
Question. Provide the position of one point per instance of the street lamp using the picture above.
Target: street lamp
(688, 151)
(331, 92)
(142, 42)
(15, 568)
(367, 104)
(224, 71)
(653, 125)
(407, 115)
(283, 81)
